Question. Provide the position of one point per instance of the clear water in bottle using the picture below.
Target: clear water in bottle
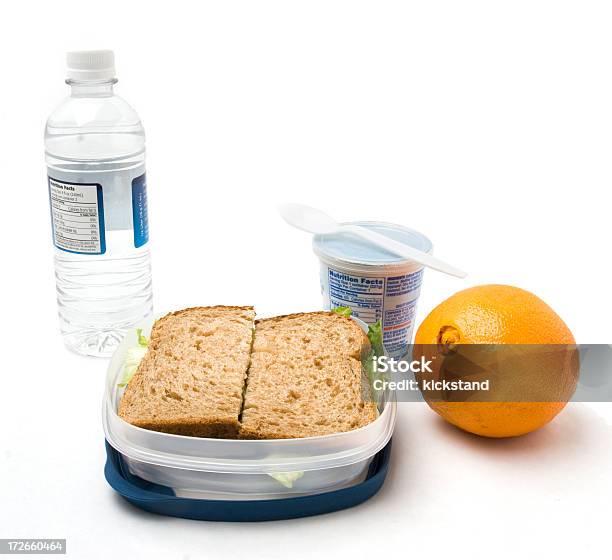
(95, 152)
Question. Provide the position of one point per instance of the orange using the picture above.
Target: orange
(499, 314)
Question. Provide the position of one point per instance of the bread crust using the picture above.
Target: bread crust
(365, 341)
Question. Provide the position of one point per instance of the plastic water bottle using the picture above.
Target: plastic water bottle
(95, 153)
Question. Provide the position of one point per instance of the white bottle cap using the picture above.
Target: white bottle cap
(90, 66)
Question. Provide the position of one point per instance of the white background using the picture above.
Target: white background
(486, 125)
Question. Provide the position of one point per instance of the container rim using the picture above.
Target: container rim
(245, 466)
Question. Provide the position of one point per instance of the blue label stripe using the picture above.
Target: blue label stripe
(140, 212)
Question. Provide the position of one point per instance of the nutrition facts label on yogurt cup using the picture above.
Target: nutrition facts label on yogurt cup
(401, 295)
(364, 295)
(77, 214)
(391, 299)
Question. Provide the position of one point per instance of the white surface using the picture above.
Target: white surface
(486, 125)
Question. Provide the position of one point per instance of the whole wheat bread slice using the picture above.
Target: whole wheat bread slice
(192, 378)
(306, 378)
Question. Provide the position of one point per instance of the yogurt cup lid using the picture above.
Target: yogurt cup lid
(352, 249)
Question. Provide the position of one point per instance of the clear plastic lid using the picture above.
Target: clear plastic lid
(351, 249)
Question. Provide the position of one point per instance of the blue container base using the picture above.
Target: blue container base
(161, 499)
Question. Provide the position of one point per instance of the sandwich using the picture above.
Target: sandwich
(191, 379)
(214, 372)
(306, 378)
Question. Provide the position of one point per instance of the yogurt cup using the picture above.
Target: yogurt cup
(375, 283)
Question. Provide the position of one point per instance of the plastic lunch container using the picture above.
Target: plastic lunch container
(374, 283)
(230, 469)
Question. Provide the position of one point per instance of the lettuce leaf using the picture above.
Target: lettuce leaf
(142, 339)
(133, 357)
(344, 311)
(375, 335)
(287, 478)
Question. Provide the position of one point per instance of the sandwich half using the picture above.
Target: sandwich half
(306, 378)
(191, 380)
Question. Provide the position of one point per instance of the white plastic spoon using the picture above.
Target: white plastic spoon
(318, 222)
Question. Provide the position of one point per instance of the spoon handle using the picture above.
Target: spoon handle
(403, 250)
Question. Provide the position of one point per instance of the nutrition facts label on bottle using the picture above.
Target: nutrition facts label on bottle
(77, 214)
